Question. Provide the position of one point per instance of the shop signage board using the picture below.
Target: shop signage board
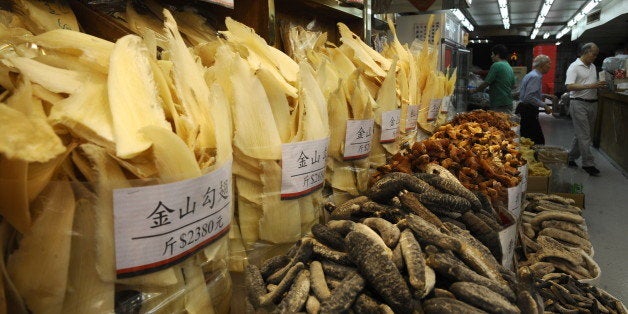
(161, 225)
(358, 139)
(390, 126)
(303, 167)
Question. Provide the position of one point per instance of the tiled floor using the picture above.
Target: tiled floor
(606, 209)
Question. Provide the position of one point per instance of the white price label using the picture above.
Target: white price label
(523, 173)
(514, 201)
(507, 239)
(303, 167)
(446, 105)
(412, 116)
(358, 139)
(434, 109)
(517, 129)
(161, 225)
(390, 126)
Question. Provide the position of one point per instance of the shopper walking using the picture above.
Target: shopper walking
(501, 80)
(582, 84)
(531, 99)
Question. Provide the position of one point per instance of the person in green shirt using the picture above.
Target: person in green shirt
(501, 80)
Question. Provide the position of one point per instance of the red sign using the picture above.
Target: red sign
(548, 79)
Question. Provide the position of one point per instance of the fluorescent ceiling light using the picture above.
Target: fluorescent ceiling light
(587, 8)
(463, 19)
(503, 11)
(540, 18)
(546, 35)
(534, 32)
(558, 43)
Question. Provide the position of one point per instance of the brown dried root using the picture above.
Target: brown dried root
(415, 262)
(413, 205)
(388, 232)
(283, 286)
(568, 237)
(317, 281)
(553, 215)
(297, 296)
(566, 226)
(429, 233)
(379, 270)
(344, 295)
(328, 237)
(483, 298)
(449, 306)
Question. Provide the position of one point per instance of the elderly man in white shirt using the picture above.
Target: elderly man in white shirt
(582, 84)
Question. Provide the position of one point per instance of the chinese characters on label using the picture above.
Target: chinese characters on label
(158, 226)
(390, 126)
(412, 116)
(434, 109)
(514, 201)
(523, 173)
(358, 139)
(507, 238)
(303, 167)
(446, 105)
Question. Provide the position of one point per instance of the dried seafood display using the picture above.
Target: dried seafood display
(481, 156)
(499, 120)
(564, 294)
(554, 238)
(386, 251)
(83, 118)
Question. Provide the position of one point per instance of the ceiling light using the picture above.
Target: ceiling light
(463, 19)
(563, 32)
(587, 8)
(534, 32)
(558, 43)
(546, 35)
(540, 18)
(503, 11)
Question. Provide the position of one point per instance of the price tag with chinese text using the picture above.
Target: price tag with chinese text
(514, 201)
(434, 109)
(507, 239)
(390, 126)
(161, 225)
(303, 167)
(523, 173)
(446, 105)
(358, 139)
(412, 116)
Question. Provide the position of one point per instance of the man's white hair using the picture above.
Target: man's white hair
(540, 60)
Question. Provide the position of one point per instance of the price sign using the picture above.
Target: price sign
(161, 225)
(507, 240)
(446, 105)
(412, 116)
(358, 139)
(303, 167)
(390, 126)
(434, 109)
(523, 173)
(517, 129)
(514, 201)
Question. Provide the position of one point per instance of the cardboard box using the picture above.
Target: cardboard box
(579, 198)
(538, 184)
